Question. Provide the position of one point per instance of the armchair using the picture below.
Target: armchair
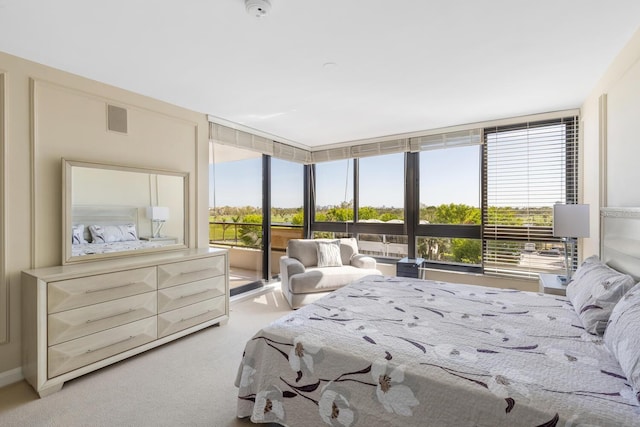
(303, 281)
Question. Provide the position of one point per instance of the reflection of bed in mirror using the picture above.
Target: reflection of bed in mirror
(108, 229)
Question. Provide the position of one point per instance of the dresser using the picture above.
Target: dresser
(79, 318)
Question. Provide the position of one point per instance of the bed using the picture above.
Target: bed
(107, 229)
(387, 351)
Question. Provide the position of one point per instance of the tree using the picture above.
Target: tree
(457, 214)
(298, 218)
(466, 250)
(341, 214)
(251, 235)
(367, 212)
(388, 216)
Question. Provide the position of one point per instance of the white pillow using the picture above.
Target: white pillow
(594, 290)
(329, 254)
(622, 336)
(113, 233)
(77, 234)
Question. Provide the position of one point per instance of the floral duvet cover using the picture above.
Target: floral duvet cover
(392, 351)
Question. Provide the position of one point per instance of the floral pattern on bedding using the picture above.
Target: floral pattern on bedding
(399, 351)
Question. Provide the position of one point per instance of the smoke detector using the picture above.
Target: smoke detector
(257, 8)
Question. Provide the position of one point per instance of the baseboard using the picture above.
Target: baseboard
(10, 377)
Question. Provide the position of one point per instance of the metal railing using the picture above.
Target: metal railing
(249, 235)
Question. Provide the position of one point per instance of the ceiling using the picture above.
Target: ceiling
(324, 72)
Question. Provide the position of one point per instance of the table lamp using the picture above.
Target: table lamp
(569, 222)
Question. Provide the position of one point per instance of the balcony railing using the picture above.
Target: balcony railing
(249, 235)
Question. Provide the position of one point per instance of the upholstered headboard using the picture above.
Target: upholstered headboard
(103, 215)
(620, 239)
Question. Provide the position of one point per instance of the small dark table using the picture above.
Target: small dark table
(409, 267)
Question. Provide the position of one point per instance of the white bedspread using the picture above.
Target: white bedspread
(398, 351)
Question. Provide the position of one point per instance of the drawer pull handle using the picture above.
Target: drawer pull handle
(195, 271)
(195, 293)
(112, 344)
(197, 315)
(110, 316)
(90, 291)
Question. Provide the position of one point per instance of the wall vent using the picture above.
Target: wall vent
(116, 119)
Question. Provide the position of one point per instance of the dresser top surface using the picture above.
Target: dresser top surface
(138, 261)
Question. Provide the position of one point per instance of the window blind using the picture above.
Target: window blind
(528, 168)
(237, 138)
(445, 140)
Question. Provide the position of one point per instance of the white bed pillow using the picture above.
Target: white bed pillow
(622, 336)
(113, 233)
(329, 254)
(77, 234)
(594, 290)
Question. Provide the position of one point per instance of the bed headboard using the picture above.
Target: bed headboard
(103, 215)
(620, 239)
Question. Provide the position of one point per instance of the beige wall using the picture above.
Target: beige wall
(614, 132)
(52, 115)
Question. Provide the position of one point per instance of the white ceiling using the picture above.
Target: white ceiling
(401, 66)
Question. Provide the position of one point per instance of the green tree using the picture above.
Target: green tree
(457, 214)
(298, 218)
(388, 216)
(367, 212)
(466, 250)
(340, 214)
(251, 235)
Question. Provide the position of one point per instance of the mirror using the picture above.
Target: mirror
(112, 211)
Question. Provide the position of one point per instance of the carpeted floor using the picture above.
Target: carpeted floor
(188, 382)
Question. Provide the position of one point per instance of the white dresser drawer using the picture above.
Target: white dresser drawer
(178, 273)
(83, 351)
(76, 323)
(191, 315)
(190, 293)
(83, 291)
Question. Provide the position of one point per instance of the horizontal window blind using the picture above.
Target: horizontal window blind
(237, 138)
(446, 140)
(528, 168)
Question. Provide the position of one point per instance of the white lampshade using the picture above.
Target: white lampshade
(158, 213)
(571, 220)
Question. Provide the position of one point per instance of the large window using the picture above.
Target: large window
(333, 182)
(529, 168)
(235, 207)
(381, 188)
(287, 203)
(476, 200)
(448, 233)
(450, 185)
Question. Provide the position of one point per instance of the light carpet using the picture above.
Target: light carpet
(188, 382)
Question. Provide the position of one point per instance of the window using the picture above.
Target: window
(449, 215)
(287, 202)
(235, 207)
(334, 191)
(450, 186)
(381, 188)
(529, 168)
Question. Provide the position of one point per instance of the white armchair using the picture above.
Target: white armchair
(304, 281)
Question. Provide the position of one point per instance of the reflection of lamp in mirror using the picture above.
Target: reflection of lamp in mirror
(569, 222)
(158, 216)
